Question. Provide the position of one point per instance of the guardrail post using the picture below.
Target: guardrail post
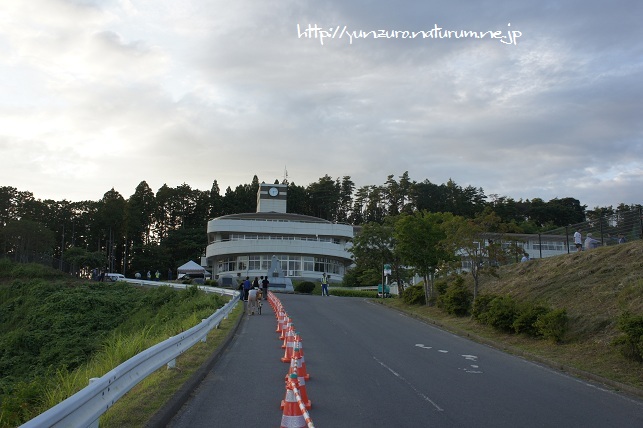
(171, 364)
(205, 338)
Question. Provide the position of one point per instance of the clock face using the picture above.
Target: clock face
(273, 191)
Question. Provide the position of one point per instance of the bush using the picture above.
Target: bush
(631, 342)
(553, 324)
(442, 285)
(481, 307)
(305, 287)
(348, 292)
(501, 313)
(456, 299)
(414, 295)
(527, 315)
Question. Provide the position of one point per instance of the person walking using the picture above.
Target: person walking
(264, 284)
(246, 288)
(252, 301)
(324, 285)
(578, 240)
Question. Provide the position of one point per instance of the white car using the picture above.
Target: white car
(114, 277)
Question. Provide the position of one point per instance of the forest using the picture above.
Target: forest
(161, 230)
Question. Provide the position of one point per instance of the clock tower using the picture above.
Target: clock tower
(272, 198)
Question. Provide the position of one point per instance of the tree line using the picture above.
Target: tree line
(161, 230)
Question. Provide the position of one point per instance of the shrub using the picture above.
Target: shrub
(456, 299)
(481, 307)
(442, 285)
(553, 324)
(305, 287)
(414, 295)
(501, 313)
(631, 342)
(348, 292)
(526, 317)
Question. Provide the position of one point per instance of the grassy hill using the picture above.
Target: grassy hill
(595, 287)
(57, 332)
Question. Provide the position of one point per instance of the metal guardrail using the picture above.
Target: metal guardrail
(84, 408)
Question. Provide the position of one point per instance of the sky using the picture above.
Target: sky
(96, 95)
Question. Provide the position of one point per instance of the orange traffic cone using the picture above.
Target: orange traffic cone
(291, 369)
(290, 344)
(298, 357)
(289, 335)
(293, 415)
(281, 321)
(287, 330)
(300, 384)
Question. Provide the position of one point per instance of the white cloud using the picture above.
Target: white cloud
(192, 91)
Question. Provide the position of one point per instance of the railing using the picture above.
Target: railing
(84, 408)
(611, 229)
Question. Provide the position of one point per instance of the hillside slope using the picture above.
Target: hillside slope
(594, 286)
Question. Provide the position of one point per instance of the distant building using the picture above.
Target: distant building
(538, 246)
(241, 245)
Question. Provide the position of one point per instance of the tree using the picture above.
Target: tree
(478, 241)
(324, 197)
(346, 189)
(419, 243)
(140, 214)
(26, 239)
(216, 201)
(373, 247)
(83, 261)
(111, 222)
(297, 202)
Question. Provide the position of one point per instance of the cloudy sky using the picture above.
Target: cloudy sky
(104, 94)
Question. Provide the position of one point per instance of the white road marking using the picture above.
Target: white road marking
(397, 375)
(419, 345)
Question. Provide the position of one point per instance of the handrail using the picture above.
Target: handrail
(84, 408)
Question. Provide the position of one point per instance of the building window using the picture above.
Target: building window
(254, 262)
(242, 263)
(227, 265)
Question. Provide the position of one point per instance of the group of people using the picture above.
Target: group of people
(590, 243)
(157, 275)
(253, 293)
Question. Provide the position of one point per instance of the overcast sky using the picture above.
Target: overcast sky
(105, 94)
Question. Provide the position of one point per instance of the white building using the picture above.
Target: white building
(241, 245)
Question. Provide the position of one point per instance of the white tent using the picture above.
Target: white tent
(193, 269)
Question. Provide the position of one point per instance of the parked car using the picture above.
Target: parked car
(114, 277)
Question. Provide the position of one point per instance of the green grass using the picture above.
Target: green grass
(148, 397)
(595, 287)
(57, 332)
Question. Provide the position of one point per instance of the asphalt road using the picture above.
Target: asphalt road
(371, 366)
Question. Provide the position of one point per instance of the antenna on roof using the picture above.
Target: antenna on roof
(285, 176)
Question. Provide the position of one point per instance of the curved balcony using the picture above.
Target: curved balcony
(272, 246)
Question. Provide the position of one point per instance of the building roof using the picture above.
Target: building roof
(274, 216)
(191, 267)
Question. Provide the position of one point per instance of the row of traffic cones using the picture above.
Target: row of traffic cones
(295, 404)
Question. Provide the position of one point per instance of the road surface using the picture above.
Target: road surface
(371, 366)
